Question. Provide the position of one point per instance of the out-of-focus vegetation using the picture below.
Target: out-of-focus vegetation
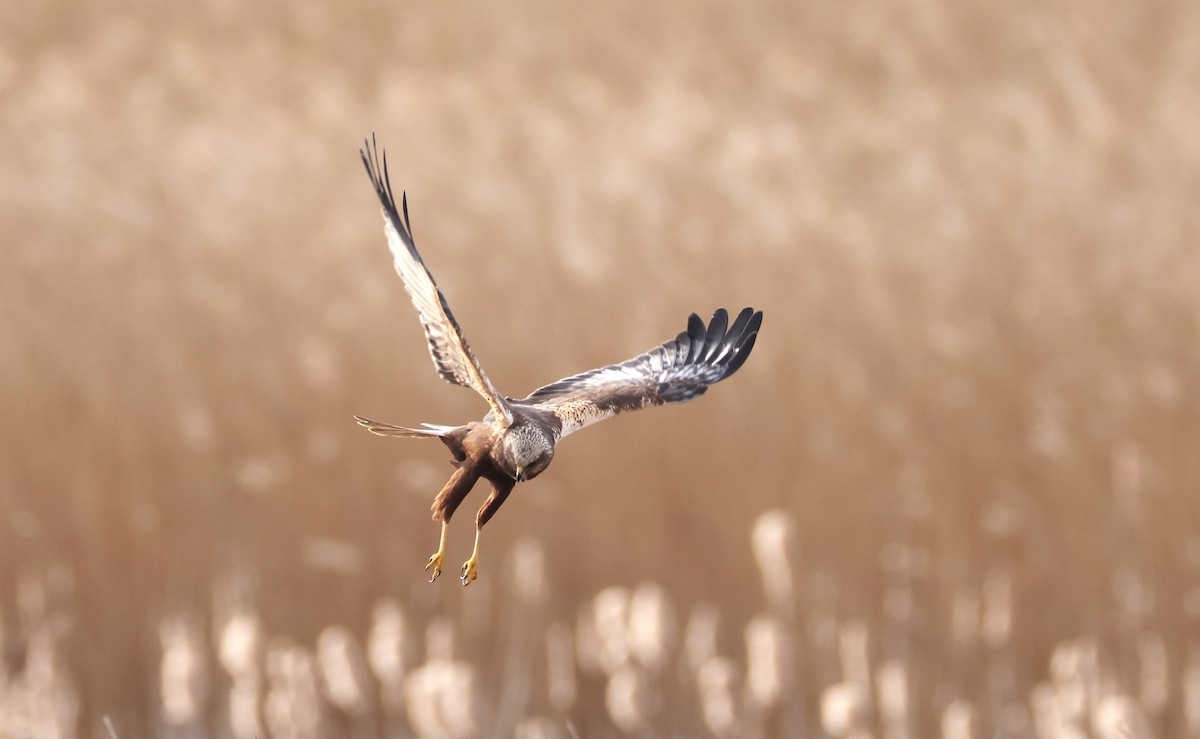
(954, 490)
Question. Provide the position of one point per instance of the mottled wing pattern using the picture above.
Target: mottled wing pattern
(677, 371)
(451, 353)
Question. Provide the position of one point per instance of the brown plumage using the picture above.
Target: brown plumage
(516, 440)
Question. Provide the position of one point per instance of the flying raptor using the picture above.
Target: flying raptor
(516, 440)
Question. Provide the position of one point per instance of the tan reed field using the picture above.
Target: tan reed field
(954, 492)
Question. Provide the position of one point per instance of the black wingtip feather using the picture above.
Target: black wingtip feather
(696, 335)
(733, 336)
(716, 333)
(375, 160)
(739, 323)
(745, 343)
(740, 355)
(755, 323)
(387, 180)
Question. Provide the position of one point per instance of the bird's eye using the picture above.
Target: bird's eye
(537, 465)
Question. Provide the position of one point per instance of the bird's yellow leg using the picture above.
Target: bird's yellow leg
(439, 556)
(470, 567)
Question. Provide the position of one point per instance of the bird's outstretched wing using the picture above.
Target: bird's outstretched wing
(677, 371)
(451, 353)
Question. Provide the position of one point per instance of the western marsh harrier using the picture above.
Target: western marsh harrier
(515, 441)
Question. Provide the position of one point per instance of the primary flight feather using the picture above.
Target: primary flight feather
(516, 440)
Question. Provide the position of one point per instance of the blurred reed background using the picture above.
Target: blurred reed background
(954, 491)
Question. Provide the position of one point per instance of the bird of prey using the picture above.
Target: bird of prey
(516, 440)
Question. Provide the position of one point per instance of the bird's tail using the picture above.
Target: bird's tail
(386, 429)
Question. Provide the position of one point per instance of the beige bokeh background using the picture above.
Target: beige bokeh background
(953, 491)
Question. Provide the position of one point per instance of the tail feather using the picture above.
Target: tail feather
(386, 429)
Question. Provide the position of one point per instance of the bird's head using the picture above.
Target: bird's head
(527, 450)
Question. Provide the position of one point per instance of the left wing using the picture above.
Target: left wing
(677, 371)
(451, 353)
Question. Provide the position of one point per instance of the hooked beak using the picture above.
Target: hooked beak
(520, 474)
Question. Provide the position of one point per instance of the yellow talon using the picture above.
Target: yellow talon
(470, 567)
(436, 563)
(469, 570)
